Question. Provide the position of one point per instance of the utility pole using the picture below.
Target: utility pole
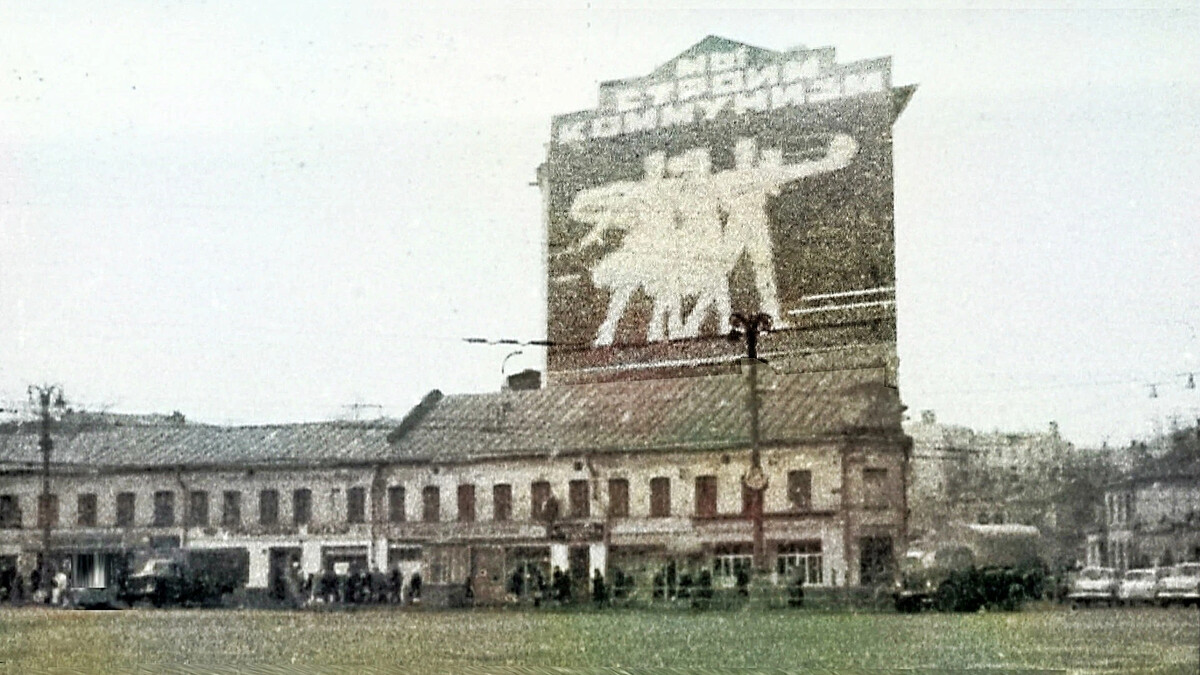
(45, 396)
(755, 480)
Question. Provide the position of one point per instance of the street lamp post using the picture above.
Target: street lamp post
(755, 480)
(45, 396)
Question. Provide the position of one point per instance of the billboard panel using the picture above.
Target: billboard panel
(730, 179)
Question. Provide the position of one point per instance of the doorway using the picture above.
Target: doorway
(282, 560)
(577, 564)
(877, 561)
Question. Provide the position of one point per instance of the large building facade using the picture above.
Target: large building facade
(731, 180)
(625, 475)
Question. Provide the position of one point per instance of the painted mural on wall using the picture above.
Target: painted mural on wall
(730, 179)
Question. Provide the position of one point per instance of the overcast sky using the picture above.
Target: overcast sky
(254, 213)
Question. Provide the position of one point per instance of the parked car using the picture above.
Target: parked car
(1181, 584)
(1139, 586)
(1094, 585)
(158, 580)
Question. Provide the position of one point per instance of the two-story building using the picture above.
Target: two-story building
(585, 478)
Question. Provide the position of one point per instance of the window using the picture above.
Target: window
(877, 561)
(10, 512)
(231, 511)
(198, 509)
(801, 559)
(706, 496)
(301, 506)
(268, 507)
(356, 505)
(799, 490)
(447, 564)
(431, 504)
(749, 499)
(502, 502)
(164, 508)
(47, 510)
(85, 510)
(660, 497)
(125, 509)
(542, 505)
(729, 562)
(875, 488)
(396, 504)
(618, 498)
(466, 503)
(578, 499)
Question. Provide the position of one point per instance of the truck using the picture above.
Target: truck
(181, 578)
(972, 566)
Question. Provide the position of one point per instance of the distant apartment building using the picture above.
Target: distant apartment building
(1151, 516)
(962, 476)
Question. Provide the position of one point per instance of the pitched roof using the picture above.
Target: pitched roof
(688, 413)
(685, 413)
(200, 444)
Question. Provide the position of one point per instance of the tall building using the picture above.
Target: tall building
(730, 179)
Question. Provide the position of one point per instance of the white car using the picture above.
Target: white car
(1140, 586)
(1094, 585)
(1181, 584)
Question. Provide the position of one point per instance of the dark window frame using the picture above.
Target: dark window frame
(618, 499)
(799, 489)
(540, 497)
(10, 512)
(47, 513)
(268, 507)
(706, 496)
(126, 515)
(231, 508)
(465, 500)
(87, 509)
(301, 506)
(397, 510)
(431, 504)
(660, 497)
(356, 505)
(502, 502)
(579, 499)
(197, 515)
(164, 508)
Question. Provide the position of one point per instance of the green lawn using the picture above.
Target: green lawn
(1102, 640)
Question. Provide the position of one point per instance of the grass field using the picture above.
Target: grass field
(1117, 641)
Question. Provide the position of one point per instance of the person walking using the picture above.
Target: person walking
(35, 586)
(395, 586)
(414, 587)
(58, 591)
(599, 589)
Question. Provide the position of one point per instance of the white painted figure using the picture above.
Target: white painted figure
(685, 230)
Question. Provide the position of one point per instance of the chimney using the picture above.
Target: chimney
(526, 380)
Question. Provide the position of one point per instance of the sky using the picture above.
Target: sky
(271, 212)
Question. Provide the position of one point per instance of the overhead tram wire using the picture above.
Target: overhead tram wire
(577, 347)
